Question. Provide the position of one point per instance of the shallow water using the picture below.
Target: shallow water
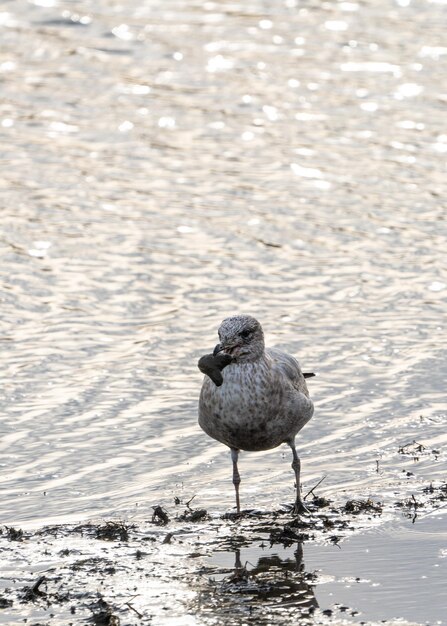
(164, 166)
(397, 572)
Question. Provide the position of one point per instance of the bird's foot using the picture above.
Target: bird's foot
(300, 509)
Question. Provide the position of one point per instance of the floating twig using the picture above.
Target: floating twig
(35, 587)
(312, 490)
(31, 593)
(190, 500)
(140, 615)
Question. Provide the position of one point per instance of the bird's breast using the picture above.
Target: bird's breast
(246, 410)
(246, 387)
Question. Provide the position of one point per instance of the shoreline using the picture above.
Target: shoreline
(184, 563)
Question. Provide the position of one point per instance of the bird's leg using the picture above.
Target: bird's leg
(236, 477)
(237, 561)
(296, 466)
(299, 557)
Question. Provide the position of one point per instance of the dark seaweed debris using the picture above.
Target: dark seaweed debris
(287, 536)
(14, 534)
(109, 531)
(409, 503)
(438, 493)
(196, 515)
(416, 450)
(274, 581)
(355, 507)
(320, 502)
(113, 531)
(94, 564)
(411, 448)
(103, 613)
(431, 495)
(324, 520)
(159, 516)
(292, 532)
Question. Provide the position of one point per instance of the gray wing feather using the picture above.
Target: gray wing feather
(290, 368)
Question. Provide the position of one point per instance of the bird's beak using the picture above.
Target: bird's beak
(218, 349)
(228, 348)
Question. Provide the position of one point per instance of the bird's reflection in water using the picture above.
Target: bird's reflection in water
(274, 581)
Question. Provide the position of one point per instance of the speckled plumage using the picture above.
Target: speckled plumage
(263, 400)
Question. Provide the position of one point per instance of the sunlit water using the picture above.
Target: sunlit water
(167, 164)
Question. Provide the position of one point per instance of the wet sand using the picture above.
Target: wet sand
(186, 565)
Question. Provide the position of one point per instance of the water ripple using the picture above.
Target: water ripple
(165, 168)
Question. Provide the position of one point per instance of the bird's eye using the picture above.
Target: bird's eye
(245, 334)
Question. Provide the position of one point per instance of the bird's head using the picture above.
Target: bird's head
(241, 337)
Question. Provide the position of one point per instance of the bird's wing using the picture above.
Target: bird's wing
(289, 367)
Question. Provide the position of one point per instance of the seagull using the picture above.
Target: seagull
(253, 398)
